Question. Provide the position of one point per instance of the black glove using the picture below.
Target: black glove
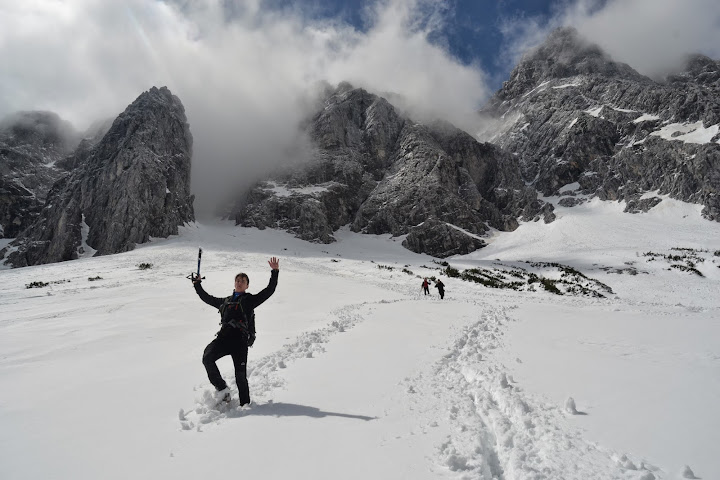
(195, 279)
(251, 339)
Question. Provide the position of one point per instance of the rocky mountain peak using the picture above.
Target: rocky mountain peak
(155, 114)
(582, 125)
(379, 171)
(565, 53)
(700, 70)
(132, 185)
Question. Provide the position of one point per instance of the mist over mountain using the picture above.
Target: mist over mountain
(570, 124)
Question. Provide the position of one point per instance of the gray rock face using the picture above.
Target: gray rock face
(133, 184)
(31, 146)
(642, 205)
(571, 115)
(441, 239)
(380, 172)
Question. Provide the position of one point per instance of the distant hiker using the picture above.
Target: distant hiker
(426, 286)
(441, 288)
(237, 331)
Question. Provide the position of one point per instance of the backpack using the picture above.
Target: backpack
(246, 322)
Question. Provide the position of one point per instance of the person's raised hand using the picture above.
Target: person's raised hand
(274, 263)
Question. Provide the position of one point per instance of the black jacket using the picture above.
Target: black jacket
(239, 313)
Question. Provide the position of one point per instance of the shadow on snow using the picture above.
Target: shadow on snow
(295, 410)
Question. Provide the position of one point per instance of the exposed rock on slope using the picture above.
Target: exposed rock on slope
(132, 185)
(380, 172)
(577, 119)
(31, 145)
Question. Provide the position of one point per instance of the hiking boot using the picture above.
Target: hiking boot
(223, 395)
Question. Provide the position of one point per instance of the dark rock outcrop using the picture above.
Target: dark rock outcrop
(642, 205)
(381, 172)
(32, 144)
(572, 115)
(132, 185)
(440, 238)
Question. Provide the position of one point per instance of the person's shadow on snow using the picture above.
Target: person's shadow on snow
(281, 409)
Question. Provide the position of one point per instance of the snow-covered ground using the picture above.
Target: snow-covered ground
(357, 374)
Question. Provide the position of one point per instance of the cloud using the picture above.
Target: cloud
(242, 70)
(652, 36)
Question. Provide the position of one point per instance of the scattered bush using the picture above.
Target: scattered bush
(690, 259)
(549, 285)
(92, 279)
(36, 285)
(145, 266)
(684, 268)
(405, 270)
(452, 272)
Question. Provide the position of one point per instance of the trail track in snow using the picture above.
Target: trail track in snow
(497, 431)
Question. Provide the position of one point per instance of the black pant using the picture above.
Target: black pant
(426, 290)
(230, 341)
(442, 293)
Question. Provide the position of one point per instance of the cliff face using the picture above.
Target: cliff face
(572, 122)
(31, 146)
(579, 122)
(381, 172)
(132, 185)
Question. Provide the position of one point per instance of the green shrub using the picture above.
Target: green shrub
(452, 272)
(684, 268)
(36, 285)
(549, 285)
(145, 266)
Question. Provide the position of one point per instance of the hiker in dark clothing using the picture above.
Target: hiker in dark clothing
(237, 331)
(426, 286)
(441, 288)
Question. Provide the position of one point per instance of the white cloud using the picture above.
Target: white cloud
(242, 77)
(652, 36)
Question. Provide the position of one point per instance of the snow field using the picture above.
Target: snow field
(356, 373)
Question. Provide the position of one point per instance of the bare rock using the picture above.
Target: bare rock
(132, 185)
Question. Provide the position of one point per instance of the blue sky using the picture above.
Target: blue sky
(472, 30)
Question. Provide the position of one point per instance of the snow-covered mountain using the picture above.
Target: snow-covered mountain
(379, 171)
(579, 122)
(569, 121)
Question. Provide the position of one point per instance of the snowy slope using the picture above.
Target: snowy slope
(356, 374)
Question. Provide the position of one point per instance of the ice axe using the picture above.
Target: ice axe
(194, 276)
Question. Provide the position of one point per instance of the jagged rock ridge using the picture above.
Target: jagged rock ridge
(381, 172)
(132, 185)
(581, 123)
